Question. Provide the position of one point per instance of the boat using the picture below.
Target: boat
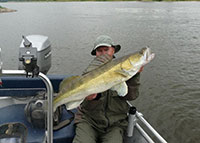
(27, 93)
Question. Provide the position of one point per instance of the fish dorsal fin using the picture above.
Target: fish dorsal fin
(97, 62)
(66, 82)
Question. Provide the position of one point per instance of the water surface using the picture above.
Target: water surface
(169, 93)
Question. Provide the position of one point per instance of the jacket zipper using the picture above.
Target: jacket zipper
(106, 108)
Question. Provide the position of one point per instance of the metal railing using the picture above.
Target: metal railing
(139, 116)
(49, 132)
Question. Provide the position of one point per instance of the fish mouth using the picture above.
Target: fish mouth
(148, 55)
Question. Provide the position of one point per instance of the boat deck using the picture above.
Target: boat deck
(15, 94)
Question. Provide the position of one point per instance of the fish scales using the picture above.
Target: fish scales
(102, 78)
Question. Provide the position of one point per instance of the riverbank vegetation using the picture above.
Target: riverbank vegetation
(97, 0)
(3, 9)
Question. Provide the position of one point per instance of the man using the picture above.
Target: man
(102, 117)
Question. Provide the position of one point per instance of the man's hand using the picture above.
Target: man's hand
(91, 97)
(141, 69)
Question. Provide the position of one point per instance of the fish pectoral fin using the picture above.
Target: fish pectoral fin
(121, 88)
(73, 104)
(67, 81)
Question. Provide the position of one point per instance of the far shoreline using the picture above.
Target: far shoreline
(4, 10)
(102, 1)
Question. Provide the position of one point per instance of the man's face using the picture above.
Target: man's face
(105, 50)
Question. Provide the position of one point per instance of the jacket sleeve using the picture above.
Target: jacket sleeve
(133, 88)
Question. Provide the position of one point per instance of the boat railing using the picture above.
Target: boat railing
(28, 55)
(45, 79)
(139, 116)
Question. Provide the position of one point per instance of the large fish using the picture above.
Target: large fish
(101, 75)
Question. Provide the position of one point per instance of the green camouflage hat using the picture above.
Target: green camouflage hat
(104, 40)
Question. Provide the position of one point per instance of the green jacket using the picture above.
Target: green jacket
(108, 109)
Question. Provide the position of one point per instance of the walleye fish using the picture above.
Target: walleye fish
(101, 75)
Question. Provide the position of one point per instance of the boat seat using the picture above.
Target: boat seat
(15, 113)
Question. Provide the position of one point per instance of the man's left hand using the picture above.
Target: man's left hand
(91, 97)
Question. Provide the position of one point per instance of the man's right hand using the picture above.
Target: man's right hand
(91, 97)
(141, 69)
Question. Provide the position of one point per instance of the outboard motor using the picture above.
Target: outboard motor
(43, 51)
(35, 57)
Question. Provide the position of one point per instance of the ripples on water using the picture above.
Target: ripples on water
(169, 90)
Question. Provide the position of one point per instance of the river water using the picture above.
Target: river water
(169, 93)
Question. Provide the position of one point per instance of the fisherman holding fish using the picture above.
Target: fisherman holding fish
(102, 117)
(102, 91)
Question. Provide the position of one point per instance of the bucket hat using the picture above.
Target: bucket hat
(104, 40)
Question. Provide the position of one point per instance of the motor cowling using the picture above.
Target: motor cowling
(43, 46)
